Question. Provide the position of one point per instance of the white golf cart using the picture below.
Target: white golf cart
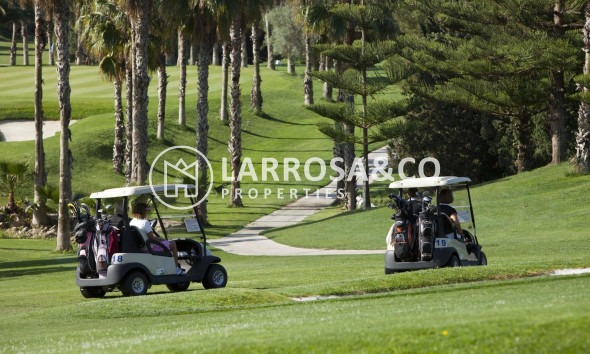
(110, 258)
(422, 237)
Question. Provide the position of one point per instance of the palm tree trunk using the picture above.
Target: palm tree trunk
(13, 45)
(162, 85)
(270, 63)
(307, 80)
(235, 123)
(193, 53)
(79, 47)
(61, 19)
(256, 94)
(129, 124)
(141, 81)
(557, 99)
(204, 57)
(582, 157)
(182, 85)
(50, 53)
(25, 43)
(215, 54)
(119, 144)
(224, 74)
(327, 88)
(290, 65)
(40, 213)
(244, 51)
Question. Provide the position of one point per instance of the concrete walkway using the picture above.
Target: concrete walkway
(24, 130)
(249, 242)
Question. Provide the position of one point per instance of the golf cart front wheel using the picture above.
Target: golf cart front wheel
(135, 284)
(216, 277)
(92, 292)
(483, 260)
(454, 261)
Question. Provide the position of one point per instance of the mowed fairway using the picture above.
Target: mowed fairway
(43, 312)
(529, 225)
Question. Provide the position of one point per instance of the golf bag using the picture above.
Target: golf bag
(404, 231)
(97, 240)
(105, 244)
(84, 234)
(427, 232)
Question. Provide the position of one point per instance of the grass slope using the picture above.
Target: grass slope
(43, 311)
(532, 219)
(285, 129)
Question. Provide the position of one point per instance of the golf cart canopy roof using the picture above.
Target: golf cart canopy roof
(428, 182)
(137, 190)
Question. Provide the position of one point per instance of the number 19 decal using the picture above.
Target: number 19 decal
(442, 243)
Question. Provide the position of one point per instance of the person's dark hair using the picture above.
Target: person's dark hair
(412, 192)
(140, 210)
(446, 196)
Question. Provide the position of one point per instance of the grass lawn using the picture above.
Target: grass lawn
(43, 310)
(285, 129)
(528, 224)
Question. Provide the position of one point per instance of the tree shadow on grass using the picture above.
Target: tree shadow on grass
(36, 267)
(273, 119)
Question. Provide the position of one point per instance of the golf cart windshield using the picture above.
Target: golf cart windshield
(459, 186)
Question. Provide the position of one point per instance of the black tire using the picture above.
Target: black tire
(389, 271)
(216, 277)
(454, 261)
(135, 284)
(483, 260)
(175, 287)
(92, 292)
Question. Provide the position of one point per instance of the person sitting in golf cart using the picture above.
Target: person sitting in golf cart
(445, 199)
(139, 213)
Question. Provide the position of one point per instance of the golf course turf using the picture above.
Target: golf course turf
(528, 224)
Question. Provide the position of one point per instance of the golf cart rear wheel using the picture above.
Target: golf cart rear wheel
(175, 287)
(483, 260)
(454, 261)
(92, 292)
(135, 284)
(216, 277)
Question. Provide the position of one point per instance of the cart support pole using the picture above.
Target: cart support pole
(159, 218)
(200, 225)
(471, 210)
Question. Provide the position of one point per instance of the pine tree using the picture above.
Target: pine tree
(360, 57)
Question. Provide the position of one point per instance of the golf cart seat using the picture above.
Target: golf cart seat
(446, 226)
(146, 245)
(131, 241)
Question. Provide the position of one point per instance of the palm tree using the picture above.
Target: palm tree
(235, 123)
(140, 12)
(224, 75)
(39, 213)
(105, 28)
(182, 86)
(270, 63)
(60, 11)
(13, 174)
(582, 139)
(23, 33)
(256, 94)
(205, 32)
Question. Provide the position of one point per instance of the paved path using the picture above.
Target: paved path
(249, 242)
(24, 130)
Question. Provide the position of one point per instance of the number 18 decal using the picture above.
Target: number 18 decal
(117, 259)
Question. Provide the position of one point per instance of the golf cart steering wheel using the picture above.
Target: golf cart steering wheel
(154, 223)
